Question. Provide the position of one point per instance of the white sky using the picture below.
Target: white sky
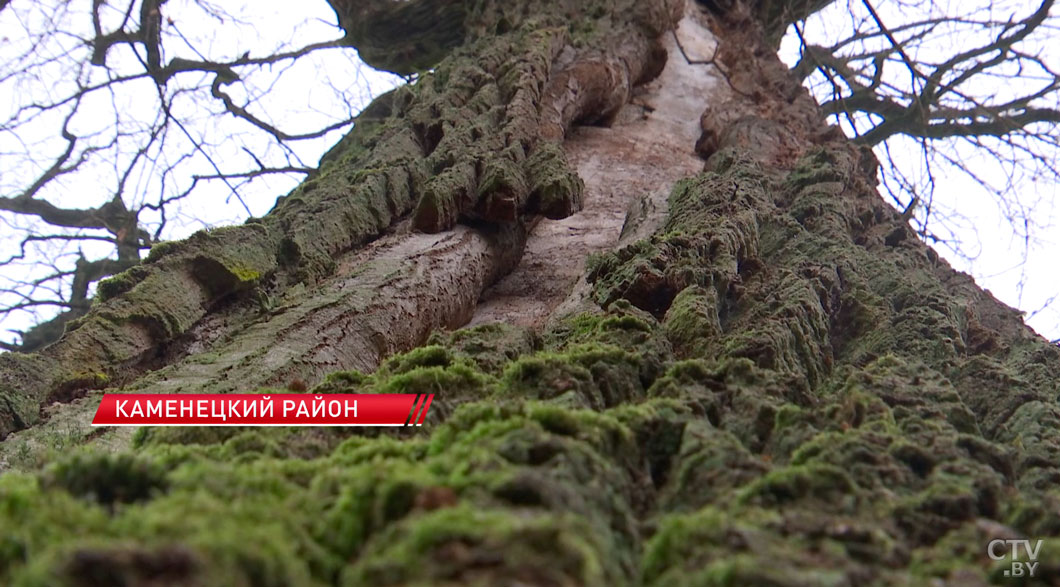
(988, 229)
(314, 91)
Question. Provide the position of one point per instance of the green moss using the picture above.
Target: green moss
(180, 435)
(249, 540)
(341, 382)
(116, 285)
(76, 384)
(552, 378)
(658, 426)
(106, 479)
(450, 542)
(842, 417)
(788, 416)
(914, 390)
(162, 249)
(458, 379)
(113, 563)
(708, 235)
(575, 328)
(588, 376)
(489, 346)
(692, 322)
(712, 547)
(622, 325)
(1033, 514)
(555, 190)
(956, 493)
(634, 273)
(366, 499)
(502, 190)
(823, 483)
(961, 551)
(708, 466)
(250, 444)
(33, 520)
(819, 166)
(428, 356)
(358, 450)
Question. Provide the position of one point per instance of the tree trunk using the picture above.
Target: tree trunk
(722, 359)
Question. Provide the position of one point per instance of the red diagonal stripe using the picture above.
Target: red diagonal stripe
(426, 406)
(415, 413)
(415, 407)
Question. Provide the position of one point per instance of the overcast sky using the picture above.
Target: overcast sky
(1023, 274)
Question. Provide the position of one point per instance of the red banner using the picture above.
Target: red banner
(280, 409)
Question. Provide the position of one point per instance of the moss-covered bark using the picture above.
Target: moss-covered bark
(475, 141)
(780, 386)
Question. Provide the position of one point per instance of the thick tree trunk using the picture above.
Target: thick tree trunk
(760, 377)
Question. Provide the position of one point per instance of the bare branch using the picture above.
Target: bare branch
(124, 114)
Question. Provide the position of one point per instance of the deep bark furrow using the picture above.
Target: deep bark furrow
(388, 299)
(632, 163)
(460, 145)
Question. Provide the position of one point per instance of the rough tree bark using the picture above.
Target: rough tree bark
(760, 377)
